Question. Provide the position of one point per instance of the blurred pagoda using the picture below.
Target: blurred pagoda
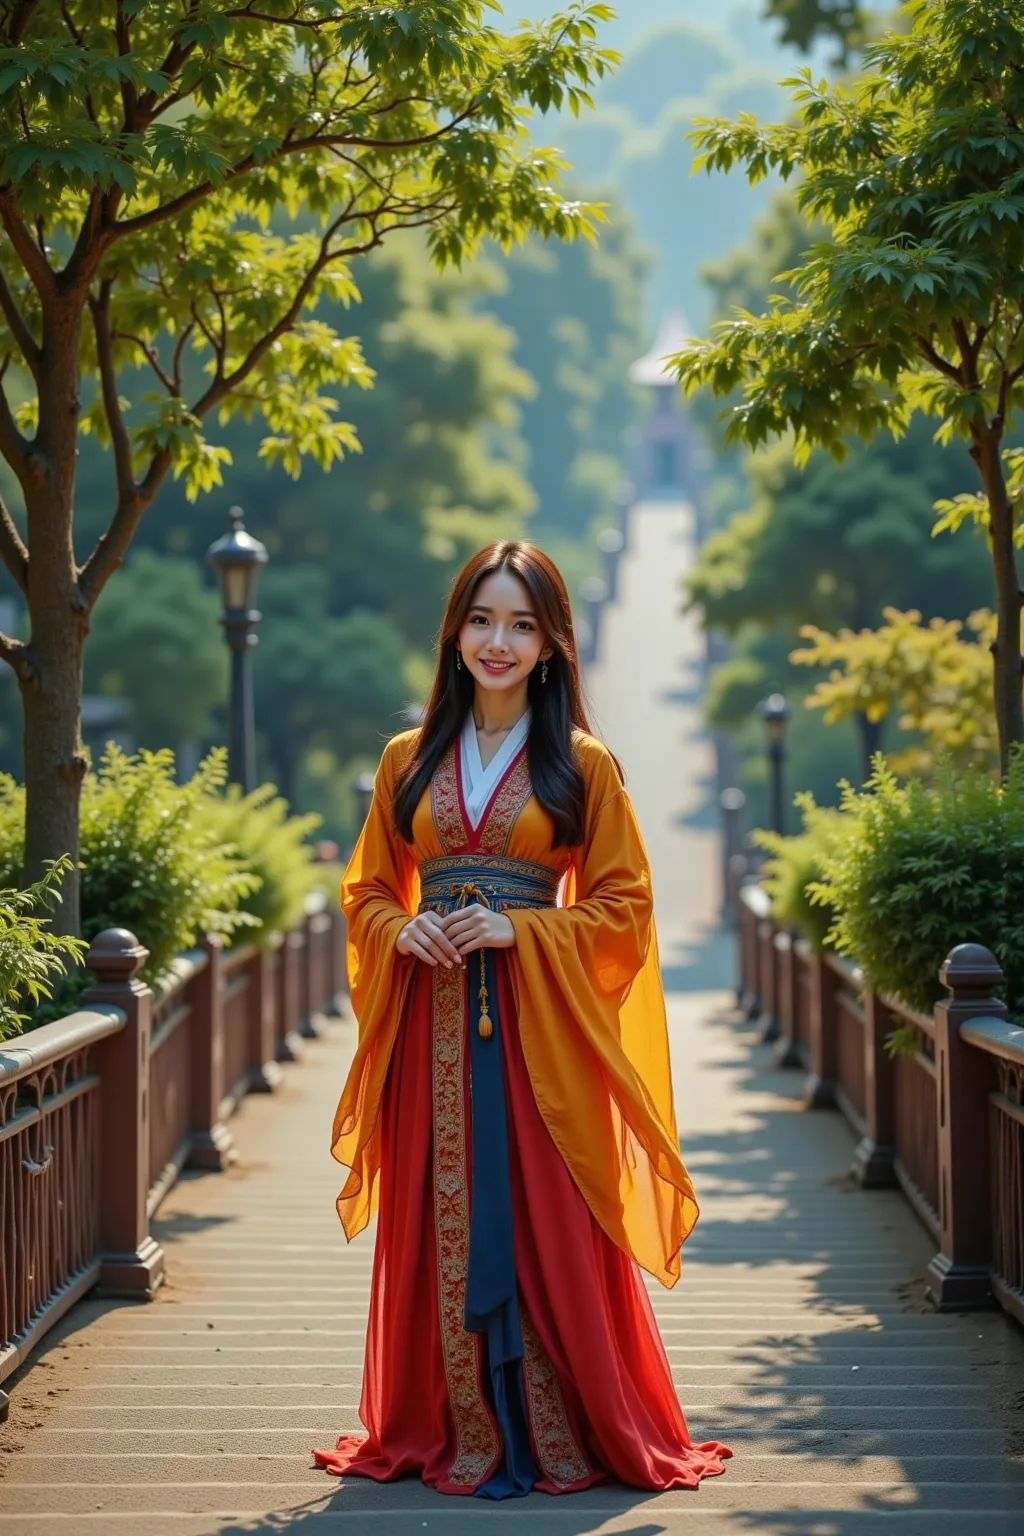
(668, 459)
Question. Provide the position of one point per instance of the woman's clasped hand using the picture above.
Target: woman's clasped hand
(447, 940)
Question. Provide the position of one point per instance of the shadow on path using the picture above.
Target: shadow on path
(846, 1379)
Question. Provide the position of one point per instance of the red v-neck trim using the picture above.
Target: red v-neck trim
(475, 834)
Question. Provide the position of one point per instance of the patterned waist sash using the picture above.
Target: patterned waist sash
(455, 880)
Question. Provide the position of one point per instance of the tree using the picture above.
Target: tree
(323, 681)
(442, 467)
(835, 546)
(577, 313)
(156, 643)
(805, 21)
(940, 684)
(915, 299)
(155, 158)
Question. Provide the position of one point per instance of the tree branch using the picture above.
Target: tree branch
(224, 386)
(17, 656)
(19, 328)
(111, 547)
(928, 352)
(100, 306)
(32, 258)
(129, 96)
(19, 17)
(195, 195)
(152, 357)
(969, 350)
(14, 445)
(12, 550)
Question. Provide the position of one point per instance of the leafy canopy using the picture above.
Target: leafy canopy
(805, 21)
(159, 162)
(916, 298)
(937, 683)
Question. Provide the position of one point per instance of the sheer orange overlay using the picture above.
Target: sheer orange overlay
(588, 992)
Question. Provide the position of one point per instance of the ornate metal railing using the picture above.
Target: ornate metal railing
(100, 1111)
(50, 1150)
(942, 1117)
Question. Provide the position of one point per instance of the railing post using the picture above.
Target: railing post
(874, 1158)
(958, 1275)
(786, 1050)
(768, 979)
(264, 1074)
(748, 990)
(301, 939)
(132, 1260)
(820, 1084)
(288, 1000)
(211, 1145)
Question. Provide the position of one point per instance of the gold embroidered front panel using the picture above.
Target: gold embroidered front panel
(512, 795)
(561, 1460)
(478, 1444)
(444, 803)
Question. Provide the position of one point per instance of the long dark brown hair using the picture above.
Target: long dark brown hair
(557, 706)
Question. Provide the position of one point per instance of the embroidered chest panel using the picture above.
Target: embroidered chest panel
(495, 830)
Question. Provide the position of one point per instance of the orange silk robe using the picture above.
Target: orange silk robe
(589, 998)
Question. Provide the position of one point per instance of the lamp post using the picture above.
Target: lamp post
(623, 496)
(775, 712)
(237, 558)
(362, 791)
(594, 592)
(610, 542)
(732, 801)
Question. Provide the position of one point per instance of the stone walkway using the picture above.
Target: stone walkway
(797, 1333)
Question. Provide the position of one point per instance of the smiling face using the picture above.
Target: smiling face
(501, 640)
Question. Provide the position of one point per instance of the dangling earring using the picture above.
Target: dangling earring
(458, 660)
(543, 671)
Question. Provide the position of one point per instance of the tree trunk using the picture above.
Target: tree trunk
(52, 694)
(870, 734)
(1006, 652)
(53, 754)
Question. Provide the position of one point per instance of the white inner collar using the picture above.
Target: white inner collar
(478, 782)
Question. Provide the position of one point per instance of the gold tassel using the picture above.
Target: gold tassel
(484, 1025)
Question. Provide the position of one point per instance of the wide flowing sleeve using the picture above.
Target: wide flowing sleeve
(379, 893)
(592, 1021)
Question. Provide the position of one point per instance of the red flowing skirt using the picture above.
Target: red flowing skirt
(602, 1401)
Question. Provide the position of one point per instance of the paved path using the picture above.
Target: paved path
(797, 1332)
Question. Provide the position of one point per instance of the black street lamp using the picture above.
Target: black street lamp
(237, 558)
(775, 712)
(362, 792)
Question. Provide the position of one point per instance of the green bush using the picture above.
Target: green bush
(920, 868)
(31, 957)
(273, 845)
(152, 859)
(796, 864)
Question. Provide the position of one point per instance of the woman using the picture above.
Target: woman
(509, 1110)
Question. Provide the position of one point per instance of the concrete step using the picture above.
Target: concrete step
(212, 1413)
(52, 1470)
(305, 1431)
(547, 1519)
(283, 1504)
